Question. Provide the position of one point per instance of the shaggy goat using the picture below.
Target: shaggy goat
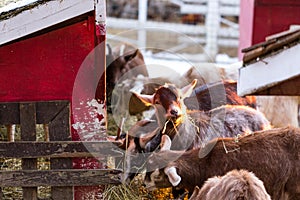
(190, 129)
(235, 185)
(272, 155)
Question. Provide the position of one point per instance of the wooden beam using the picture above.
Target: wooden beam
(59, 178)
(58, 149)
(42, 16)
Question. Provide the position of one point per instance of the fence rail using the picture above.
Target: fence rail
(59, 151)
(217, 30)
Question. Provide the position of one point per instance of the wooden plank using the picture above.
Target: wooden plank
(289, 87)
(59, 149)
(275, 45)
(28, 133)
(269, 72)
(42, 16)
(9, 113)
(59, 178)
(47, 111)
(61, 124)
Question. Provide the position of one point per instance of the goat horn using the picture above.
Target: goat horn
(173, 177)
(144, 139)
(165, 143)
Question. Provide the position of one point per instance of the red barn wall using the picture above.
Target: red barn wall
(44, 67)
(260, 18)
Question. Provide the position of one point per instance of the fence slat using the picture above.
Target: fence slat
(28, 133)
(58, 149)
(63, 177)
(61, 124)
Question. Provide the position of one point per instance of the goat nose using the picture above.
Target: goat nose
(174, 112)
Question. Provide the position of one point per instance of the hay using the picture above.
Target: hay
(135, 190)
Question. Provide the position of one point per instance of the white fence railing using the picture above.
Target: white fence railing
(215, 32)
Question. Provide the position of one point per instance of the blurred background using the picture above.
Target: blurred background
(197, 30)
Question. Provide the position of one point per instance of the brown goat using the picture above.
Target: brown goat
(272, 155)
(190, 129)
(235, 185)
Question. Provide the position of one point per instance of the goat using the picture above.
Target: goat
(122, 63)
(234, 185)
(190, 129)
(287, 106)
(272, 155)
(212, 95)
(187, 129)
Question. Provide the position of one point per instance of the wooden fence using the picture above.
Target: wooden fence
(59, 150)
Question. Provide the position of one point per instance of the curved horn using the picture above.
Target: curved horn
(165, 143)
(195, 193)
(109, 51)
(173, 177)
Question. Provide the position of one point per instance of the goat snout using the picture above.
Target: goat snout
(174, 111)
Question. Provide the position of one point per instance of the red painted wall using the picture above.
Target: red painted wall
(44, 67)
(264, 18)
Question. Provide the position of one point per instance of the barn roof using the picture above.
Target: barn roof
(272, 67)
(17, 7)
(29, 16)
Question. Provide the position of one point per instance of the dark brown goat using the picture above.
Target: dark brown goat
(272, 155)
(123, 63)
(212, 95)
(235, 185)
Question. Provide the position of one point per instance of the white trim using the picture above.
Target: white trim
(15, 5)
(100, 9)
(269, 71)
(42, 16)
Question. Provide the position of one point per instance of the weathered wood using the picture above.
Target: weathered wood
(55, 116)
(45, 112)
(63, 177)
(262, 49)
(28, 133)
(9, 113)
(58, 149)
(61, 124)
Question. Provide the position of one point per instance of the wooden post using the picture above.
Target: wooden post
(28, 133)
(61, 124)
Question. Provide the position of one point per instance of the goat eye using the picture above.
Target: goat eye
(156, 102)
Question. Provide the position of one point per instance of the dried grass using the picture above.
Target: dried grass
(135, 190)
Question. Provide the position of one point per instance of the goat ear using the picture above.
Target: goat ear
(173, 177)
(187, 90)
(145, 98)
(132, 55)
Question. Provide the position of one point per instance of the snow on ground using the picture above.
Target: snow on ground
(166, 66)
